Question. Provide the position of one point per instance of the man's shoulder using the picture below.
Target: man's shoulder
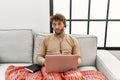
(48, 36)
(71, 36)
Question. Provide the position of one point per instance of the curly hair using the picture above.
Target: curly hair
(58, 17)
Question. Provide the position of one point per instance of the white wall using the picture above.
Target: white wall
(25, 14)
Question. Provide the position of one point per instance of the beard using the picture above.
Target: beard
(59, 31)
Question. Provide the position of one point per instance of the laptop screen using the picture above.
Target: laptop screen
(60, 63)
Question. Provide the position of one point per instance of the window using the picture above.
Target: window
(98, 9)
(79, 27)
(114, 9)
(79, 9)
(67, 27)
(61, 6)
(98, 29)
(113, 38)
(92, 17)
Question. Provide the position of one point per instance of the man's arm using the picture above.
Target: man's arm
(41, 54)
(76, 51)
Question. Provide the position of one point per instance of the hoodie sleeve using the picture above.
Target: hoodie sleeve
(41, 53)
(76, 50)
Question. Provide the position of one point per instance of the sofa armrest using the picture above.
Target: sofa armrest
(108, 64)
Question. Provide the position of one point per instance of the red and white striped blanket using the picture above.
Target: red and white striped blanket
(20, 73)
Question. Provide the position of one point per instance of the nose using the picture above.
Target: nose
(56, 26)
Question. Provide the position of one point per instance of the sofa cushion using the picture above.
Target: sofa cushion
(84, 68)
(37, 39)
(88, 47)
(16, 45)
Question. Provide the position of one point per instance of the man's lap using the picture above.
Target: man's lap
(20, 73)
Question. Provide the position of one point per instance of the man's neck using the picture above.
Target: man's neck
(60, 35)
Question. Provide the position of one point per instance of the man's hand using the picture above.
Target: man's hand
(44, 63)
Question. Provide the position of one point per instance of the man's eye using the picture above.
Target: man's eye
(54, 24)
(59, 24)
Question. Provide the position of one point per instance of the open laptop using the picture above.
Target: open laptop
(60, 63)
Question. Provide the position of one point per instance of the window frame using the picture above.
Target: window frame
(88, 21)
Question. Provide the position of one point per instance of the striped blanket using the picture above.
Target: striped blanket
(20, 73)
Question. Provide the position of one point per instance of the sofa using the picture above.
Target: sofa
(19, 47)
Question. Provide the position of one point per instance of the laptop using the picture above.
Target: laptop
(61, 63)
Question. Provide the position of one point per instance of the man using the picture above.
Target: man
(58, 43)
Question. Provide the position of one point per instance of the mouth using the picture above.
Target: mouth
(57, 30)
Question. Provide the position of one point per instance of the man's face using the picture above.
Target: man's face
(58, 26)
